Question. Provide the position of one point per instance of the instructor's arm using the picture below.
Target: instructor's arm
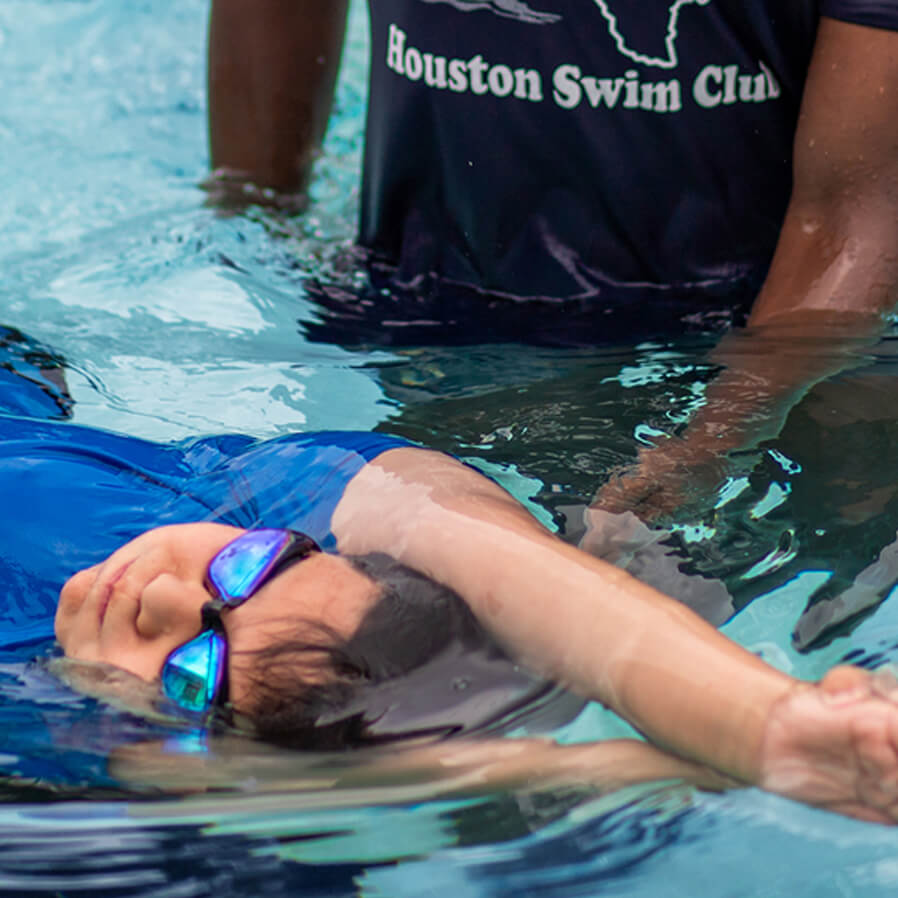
(272, 69)
(836, 254)
(833, 279)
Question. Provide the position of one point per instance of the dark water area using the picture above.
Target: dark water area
(819, 495)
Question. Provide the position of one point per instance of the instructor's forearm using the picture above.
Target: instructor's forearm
(766, 372)
(789, 346)
(272, 70)
(834, 276)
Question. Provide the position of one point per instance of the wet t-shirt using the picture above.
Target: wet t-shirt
(587, 150)
(72, 495)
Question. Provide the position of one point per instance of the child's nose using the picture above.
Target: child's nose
(171, 608)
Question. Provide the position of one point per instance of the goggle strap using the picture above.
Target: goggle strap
(301, 547)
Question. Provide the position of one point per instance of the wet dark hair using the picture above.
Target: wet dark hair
(414, 620)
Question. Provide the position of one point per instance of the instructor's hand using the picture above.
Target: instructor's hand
(664, 478)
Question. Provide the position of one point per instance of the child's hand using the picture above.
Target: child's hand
(834, 744)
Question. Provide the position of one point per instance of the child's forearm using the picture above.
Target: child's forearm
(607, 636)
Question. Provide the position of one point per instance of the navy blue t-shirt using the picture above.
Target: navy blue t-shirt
(587, 150)
(72, 495)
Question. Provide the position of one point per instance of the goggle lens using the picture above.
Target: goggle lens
(193, 672)
(240, 568)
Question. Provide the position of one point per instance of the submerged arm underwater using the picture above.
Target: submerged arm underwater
(409, 772)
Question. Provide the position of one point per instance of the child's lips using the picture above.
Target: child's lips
(110, 587)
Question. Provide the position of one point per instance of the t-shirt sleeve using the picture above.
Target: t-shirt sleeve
(875, 13)
(295, 481)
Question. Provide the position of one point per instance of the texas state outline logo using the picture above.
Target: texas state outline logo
(524, 12)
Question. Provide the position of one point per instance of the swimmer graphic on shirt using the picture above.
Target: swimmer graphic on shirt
(512, 9)
(610, 10)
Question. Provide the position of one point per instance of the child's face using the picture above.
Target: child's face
(144, 601)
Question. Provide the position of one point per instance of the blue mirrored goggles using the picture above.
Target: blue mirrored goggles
(194, 675)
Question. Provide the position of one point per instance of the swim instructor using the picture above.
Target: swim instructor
(595, 169)
(578, 150)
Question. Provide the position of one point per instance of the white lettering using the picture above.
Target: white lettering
(631, 90)
(662, 97)
(602, 90)
(476, 68)
(725, 85)
(500, 80)
(715, 85)
(752, 88)
(395, 46)
(528, 85)
(566, 82)
(570, 86)
(414, 65)
(458, 76)
(701, 89)
(729, 84)
(435, 71)
(773, 86)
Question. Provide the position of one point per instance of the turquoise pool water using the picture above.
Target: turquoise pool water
(173, 320)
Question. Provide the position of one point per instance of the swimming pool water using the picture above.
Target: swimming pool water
(162, 307)
(172, 320)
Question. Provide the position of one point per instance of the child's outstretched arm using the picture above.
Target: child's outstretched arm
(604, 634)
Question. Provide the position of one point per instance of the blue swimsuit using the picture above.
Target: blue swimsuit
(72, 495)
